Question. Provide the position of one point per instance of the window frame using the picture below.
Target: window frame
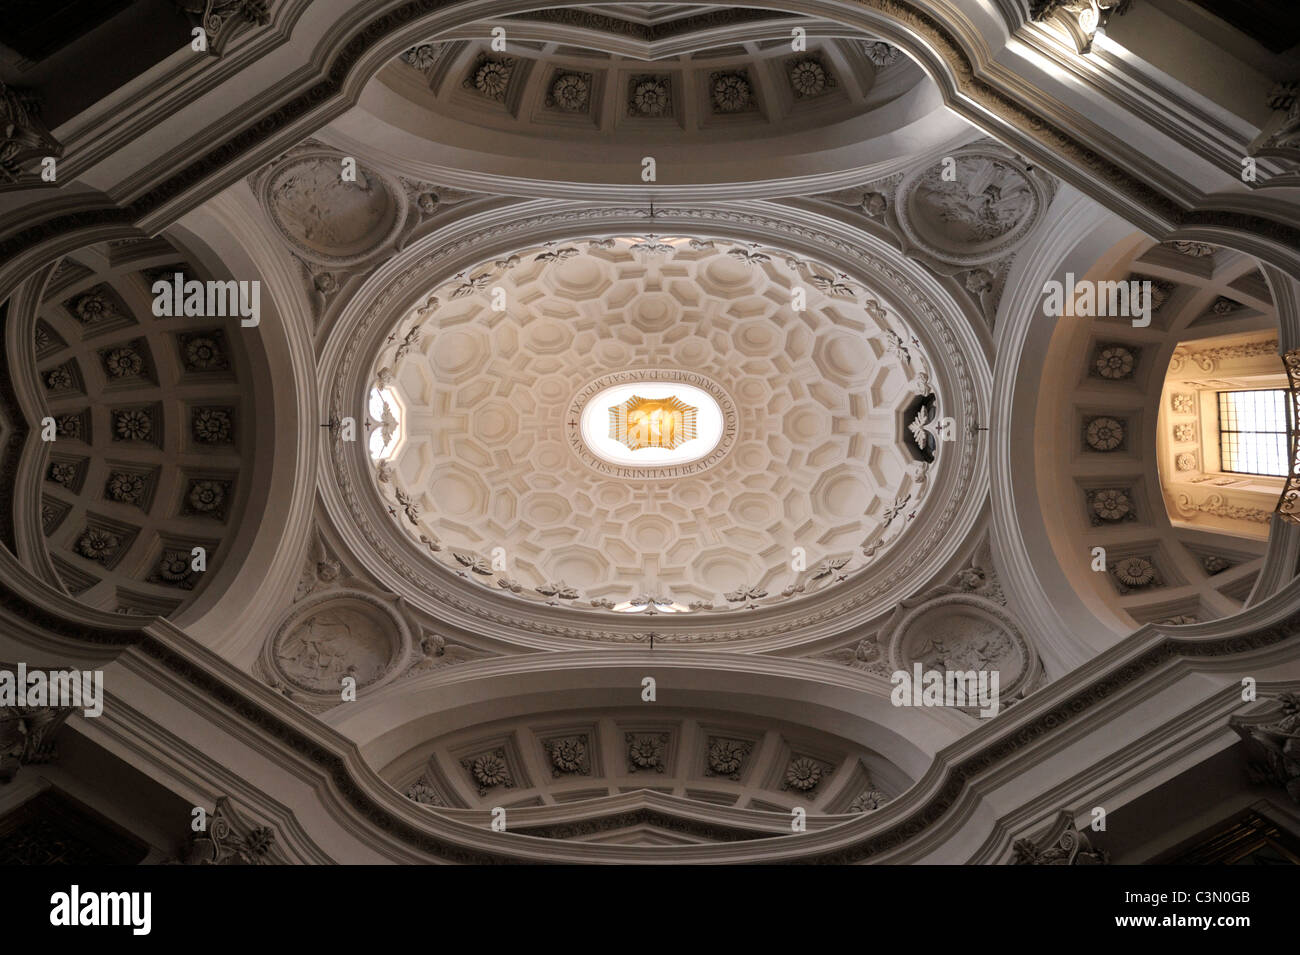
(1287, 425)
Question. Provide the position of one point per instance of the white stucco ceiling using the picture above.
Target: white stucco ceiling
(815, 466)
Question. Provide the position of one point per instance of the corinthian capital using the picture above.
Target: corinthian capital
(1280, 137)
(229, 839)
(1274, 740)
(1060, 845)
(23, 137)
(220, 19)
(27, 736)
(1080, 20)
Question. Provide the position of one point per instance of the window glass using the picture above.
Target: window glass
(1253, 432)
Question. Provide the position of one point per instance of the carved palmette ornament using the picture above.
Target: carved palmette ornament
(320, 570)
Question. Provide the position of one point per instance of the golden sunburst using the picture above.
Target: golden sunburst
(652, 422)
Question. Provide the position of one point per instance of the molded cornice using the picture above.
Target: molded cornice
(934, 32)
(1262, 636)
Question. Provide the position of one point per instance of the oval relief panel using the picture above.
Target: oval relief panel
(326, 219)
(963, 632)
(970, 208)
(336, 635)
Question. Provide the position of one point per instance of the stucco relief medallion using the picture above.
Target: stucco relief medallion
(970, 208)
(335, 635)
(327, 220)
(963, 632)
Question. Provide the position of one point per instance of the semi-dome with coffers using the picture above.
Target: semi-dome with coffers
(589, 93)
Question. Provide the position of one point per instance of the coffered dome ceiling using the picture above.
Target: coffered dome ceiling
(841, 382)
(814, 466)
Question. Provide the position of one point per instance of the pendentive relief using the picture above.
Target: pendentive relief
(337, 642)
(963, 627)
